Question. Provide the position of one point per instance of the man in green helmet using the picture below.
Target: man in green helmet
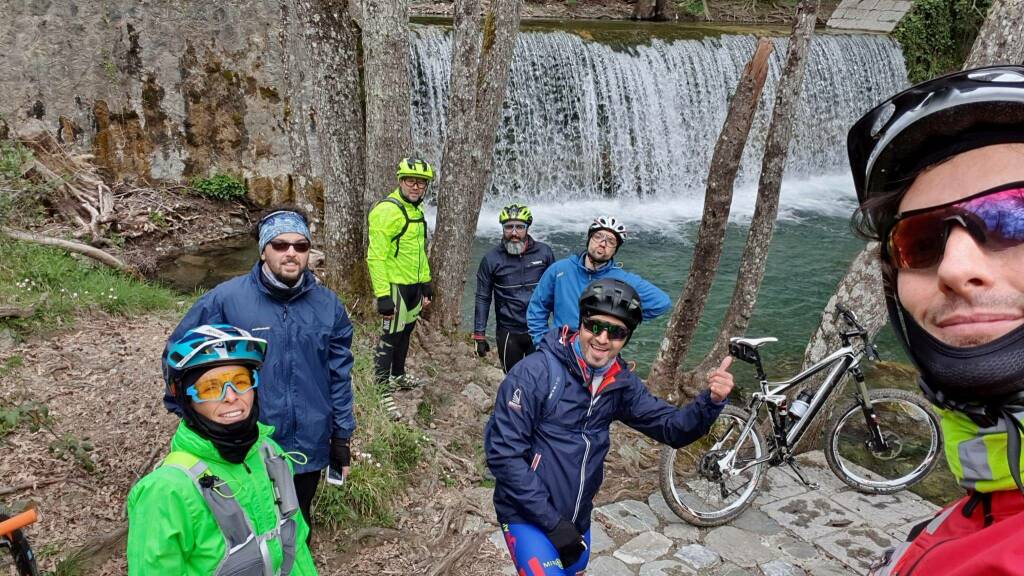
(399, 271)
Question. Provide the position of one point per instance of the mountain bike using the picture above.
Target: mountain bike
(882, 442)
(14, 541)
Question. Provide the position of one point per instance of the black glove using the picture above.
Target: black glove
(341, 456)
(386, 306)
(426, 290)
(568, 541)
(482, 346)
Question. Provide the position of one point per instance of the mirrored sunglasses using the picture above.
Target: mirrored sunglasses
(281, 246)
(213, 388)
(994, 218)
(596, 327)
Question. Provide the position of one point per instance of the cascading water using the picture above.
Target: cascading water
(585, 120)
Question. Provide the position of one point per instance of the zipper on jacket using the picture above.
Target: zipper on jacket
(586, 453)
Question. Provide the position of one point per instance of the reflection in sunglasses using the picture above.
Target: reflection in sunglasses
(596, 327)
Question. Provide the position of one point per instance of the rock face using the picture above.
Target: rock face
(165, 90)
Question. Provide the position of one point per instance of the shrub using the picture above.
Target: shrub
(220, 187)
(937, 35)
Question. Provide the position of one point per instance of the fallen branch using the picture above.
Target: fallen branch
(30, 485)
(16, 311)
(471, 544)
(77, 247)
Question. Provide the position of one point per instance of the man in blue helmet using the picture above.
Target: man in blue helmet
(548, 437)
(306, 391)
(939, 172)
(509, 272)
(559, 290)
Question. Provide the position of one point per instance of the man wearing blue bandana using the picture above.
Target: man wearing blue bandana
(306, 382)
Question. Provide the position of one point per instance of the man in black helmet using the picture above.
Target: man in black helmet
(548, 437)
(939, 171)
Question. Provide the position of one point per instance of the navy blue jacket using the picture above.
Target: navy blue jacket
(548, 468)
(511, 279)
(305, 387)
(558, 294)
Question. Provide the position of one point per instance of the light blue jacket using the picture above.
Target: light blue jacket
(559, 293)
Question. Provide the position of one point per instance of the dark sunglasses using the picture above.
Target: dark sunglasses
(282, 246)
(994, 218)
(615, 331)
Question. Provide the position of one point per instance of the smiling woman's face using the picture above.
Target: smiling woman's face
(234, 407)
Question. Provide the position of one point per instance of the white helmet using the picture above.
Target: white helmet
(610, 224)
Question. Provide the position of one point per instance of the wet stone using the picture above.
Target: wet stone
(796, 548)
(697, 556)
(887, 509)
(631, 516)
(777, 485)
(657, 503)
(664, 568)
(780, 568)
(738, 546)
(644, 548)
(607, 566)
(857, 547)
(684, 533)
(811, 516)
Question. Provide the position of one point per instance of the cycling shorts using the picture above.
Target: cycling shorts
(534, 555)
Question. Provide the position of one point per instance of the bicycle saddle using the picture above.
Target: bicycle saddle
(754, 343)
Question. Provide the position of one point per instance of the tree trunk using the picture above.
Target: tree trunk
(481, 55)
(331, 40)
(385, 26)
(762, 226)
(860, 290)
(1000, 39)
(725, 163)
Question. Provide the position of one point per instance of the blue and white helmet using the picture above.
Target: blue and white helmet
(212, 345)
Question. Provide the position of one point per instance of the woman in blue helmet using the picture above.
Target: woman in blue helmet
(223, 501)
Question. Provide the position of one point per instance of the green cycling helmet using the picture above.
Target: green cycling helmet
(415, 168)
(518, 212)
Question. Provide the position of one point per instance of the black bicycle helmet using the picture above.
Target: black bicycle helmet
(612, 297)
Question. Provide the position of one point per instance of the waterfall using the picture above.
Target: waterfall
(590, 121)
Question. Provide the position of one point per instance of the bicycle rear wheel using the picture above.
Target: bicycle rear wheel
(912, 442)
(703, 490)
(17, 549)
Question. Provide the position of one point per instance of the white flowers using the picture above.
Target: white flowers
(27, 285)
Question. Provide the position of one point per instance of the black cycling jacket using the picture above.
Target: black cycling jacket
(511, 280)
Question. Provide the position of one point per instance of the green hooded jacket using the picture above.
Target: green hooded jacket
(401, 261)
(977, 456)
(172, 531)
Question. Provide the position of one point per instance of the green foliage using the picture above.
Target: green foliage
(220, 187)
(937, 35)
(158, 219)
(58, 286)
(70, 447)
(35, 414)
(382, 465)
(19, 197)
(694, 8)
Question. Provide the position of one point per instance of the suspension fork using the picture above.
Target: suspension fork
(877, 441)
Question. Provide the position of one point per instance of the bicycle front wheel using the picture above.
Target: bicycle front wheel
(712, 481)
(890, 454)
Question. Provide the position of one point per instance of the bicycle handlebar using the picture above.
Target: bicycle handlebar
(858, 331)
(18, 521)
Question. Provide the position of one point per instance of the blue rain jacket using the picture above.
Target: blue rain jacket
(306, 380)
(548, 461)
(559, 293)
(511, 280)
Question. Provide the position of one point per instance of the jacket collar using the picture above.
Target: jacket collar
(308, 281)
(580, 260)
(186, 440)
(560, 342)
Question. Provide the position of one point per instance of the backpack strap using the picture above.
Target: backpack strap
(397, 238)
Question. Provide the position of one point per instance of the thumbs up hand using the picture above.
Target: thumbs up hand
(720, 380)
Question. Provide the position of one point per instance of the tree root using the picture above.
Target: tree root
(71, 246)
(470, 544)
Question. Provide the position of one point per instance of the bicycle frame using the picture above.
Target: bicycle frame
(843, 360)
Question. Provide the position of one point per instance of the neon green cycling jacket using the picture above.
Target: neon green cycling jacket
(394, 260)
(171, 529)
(977, 456)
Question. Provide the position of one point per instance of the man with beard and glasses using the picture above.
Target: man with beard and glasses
(549, 435)
(306, 386)
(939, 172)
(559, 290)
(399, 273)
(509, 272)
